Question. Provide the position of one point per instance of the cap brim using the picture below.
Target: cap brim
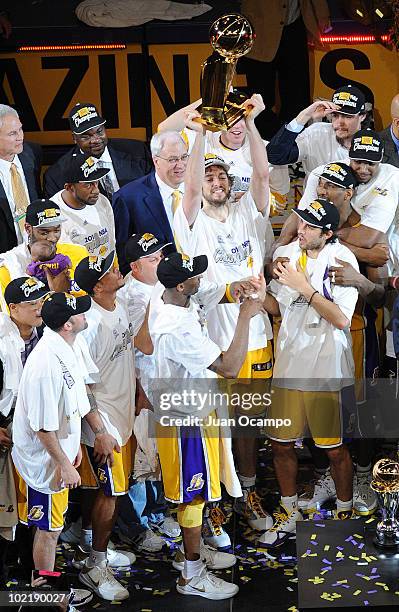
(309, 220)
(95, 176)
(83, 304)
(200, 264)
(156, 249)
(109, 260)
(101, 121)
(372, 161)
(225, 167)
(342, 112)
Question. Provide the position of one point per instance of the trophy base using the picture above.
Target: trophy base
(218, 119)
(387, 541)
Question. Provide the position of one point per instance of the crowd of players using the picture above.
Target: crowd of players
(128, 284)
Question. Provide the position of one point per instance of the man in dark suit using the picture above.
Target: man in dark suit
(19, 177)
(390, 136)
(125, 159)
(148, 204)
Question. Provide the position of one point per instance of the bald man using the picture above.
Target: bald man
(390, 136)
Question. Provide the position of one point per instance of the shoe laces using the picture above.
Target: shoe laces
(279, 519)
(106, 575)
(254, 502)
(217, 519)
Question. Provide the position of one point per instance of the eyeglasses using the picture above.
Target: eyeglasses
(172, 161)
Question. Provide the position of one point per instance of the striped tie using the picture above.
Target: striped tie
(19, 196)
(176, 201)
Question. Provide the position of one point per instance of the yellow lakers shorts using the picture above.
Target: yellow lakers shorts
(257, 367)
(42, 510)
(300, 412)
(189, 459)
(112, 480)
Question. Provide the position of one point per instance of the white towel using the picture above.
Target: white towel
(11, 347)
(125, 13)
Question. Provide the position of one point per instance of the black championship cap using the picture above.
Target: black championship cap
(44, 213)
(84, 116)
(178, 267)
(84, 169)
(25, 289)
(91, 269)
(320, 213)
(59, 307)
(142, 245)
(214, 160)
(350, 99)
(339, 174)
(366, 145)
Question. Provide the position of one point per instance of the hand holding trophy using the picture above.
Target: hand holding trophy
(231, 37)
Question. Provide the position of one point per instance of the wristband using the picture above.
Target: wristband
(311, 297)
(228, 295)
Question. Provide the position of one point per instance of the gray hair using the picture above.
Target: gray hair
(6, 110)
(159, 140)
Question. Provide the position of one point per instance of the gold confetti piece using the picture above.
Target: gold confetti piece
(366, 577)
(358, 536)
(357, 592)
(339, 554)
(240, 567)
(313, 536)
(323, 572)
(245, 578)
(370, 520)
(146, 610)
(380, 584)
(373, 558)
(293, 609)
(327, 547)
(116, 603)
(353, 558)
(342, 581)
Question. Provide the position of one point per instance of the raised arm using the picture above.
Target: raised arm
(259, 185)
(176, 122)
(195, 171)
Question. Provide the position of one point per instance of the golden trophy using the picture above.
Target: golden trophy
(386, 484)
(231, 37)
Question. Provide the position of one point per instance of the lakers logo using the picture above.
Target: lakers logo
(197, 482)
(36, 513)
(344, 95)
(101, 476)
(334, 168)
(315, 205)
(368, 140)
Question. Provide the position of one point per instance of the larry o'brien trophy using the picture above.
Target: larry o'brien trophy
(386, 484)
(231, 37)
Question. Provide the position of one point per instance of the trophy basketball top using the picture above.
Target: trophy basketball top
(386, 476)
(231, 36)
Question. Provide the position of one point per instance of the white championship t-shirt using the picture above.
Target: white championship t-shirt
(240, 162)
(136, 296)
(92, 226)
(52, 396)
(109, 336)
(318, 145)
(235, 249)
(311, 354)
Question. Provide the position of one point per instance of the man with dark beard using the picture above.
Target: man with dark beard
(89, 220)
(234, 236)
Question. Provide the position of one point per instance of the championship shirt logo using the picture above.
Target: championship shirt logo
(187, 262)
(196, 483)
(101, 475)
(36, 513)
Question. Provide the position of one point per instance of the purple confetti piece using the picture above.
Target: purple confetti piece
(361, 546)
(375, 576)
(308, 551)
(340, 559)
(373, 591)
(339, 548)
(326, 561)
(373, 571)
(366, 603)
(320, 525)
(327, 568)
(360, 575)
(313, 542)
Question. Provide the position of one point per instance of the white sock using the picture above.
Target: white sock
(247, 481)
(363, 470)
(192, 568)
(86, 539)
(344, 505)
(96, 557)
(290, 502)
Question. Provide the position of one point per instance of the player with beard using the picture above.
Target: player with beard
(320, 143)
(88, 213)
(234, 236)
